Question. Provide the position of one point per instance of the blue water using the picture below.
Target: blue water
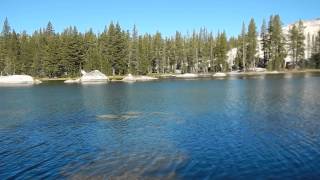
(250, 127)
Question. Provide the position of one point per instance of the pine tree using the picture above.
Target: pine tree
(116, 49)
(317, 43)
(315, 58)
(178, 49)
(252, 45)
(5, 61)
(49, 29)
(211, 44)
(277, 44)
(156, 55)
(93, 59)
(240, 61)
(293, 36)
(244, 46)
(296, 45)
(52, 60)
(134, 51)
(194, 59)
(144, 54)
(268, 45)
(309, 46)
(127, 55)
(26, 54)
(264, 43)
(103, 46)
(300, 43)
(73, 55)
(221, 53)
(170, 55)
(14, 53)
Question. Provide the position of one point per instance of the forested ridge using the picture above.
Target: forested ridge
(116, 51)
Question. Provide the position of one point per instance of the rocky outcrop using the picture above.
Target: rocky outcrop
(18, 79)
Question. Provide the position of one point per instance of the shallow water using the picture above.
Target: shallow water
(249, 127)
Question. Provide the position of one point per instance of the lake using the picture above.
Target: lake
(239, 127)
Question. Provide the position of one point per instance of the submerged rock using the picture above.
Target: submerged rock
(130, 115)
(123, 116)
(133, 113)
(159, 113)
(126, 117)
(109, 116)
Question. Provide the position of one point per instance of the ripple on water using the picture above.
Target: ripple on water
(239, 128)
(142, 165)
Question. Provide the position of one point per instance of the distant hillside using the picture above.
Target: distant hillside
(312, 27)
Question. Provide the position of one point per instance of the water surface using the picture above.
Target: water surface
(250, 127)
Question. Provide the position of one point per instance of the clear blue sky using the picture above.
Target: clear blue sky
(167, 16)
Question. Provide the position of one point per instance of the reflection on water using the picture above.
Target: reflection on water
(237, 127)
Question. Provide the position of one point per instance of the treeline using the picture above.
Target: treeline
(272, 46)
(116, 51)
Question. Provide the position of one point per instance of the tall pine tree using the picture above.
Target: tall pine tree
(277, 44)
(252, 45)
(296, 43)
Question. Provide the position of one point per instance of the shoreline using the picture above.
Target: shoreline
(171, 75)
(277, 72)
